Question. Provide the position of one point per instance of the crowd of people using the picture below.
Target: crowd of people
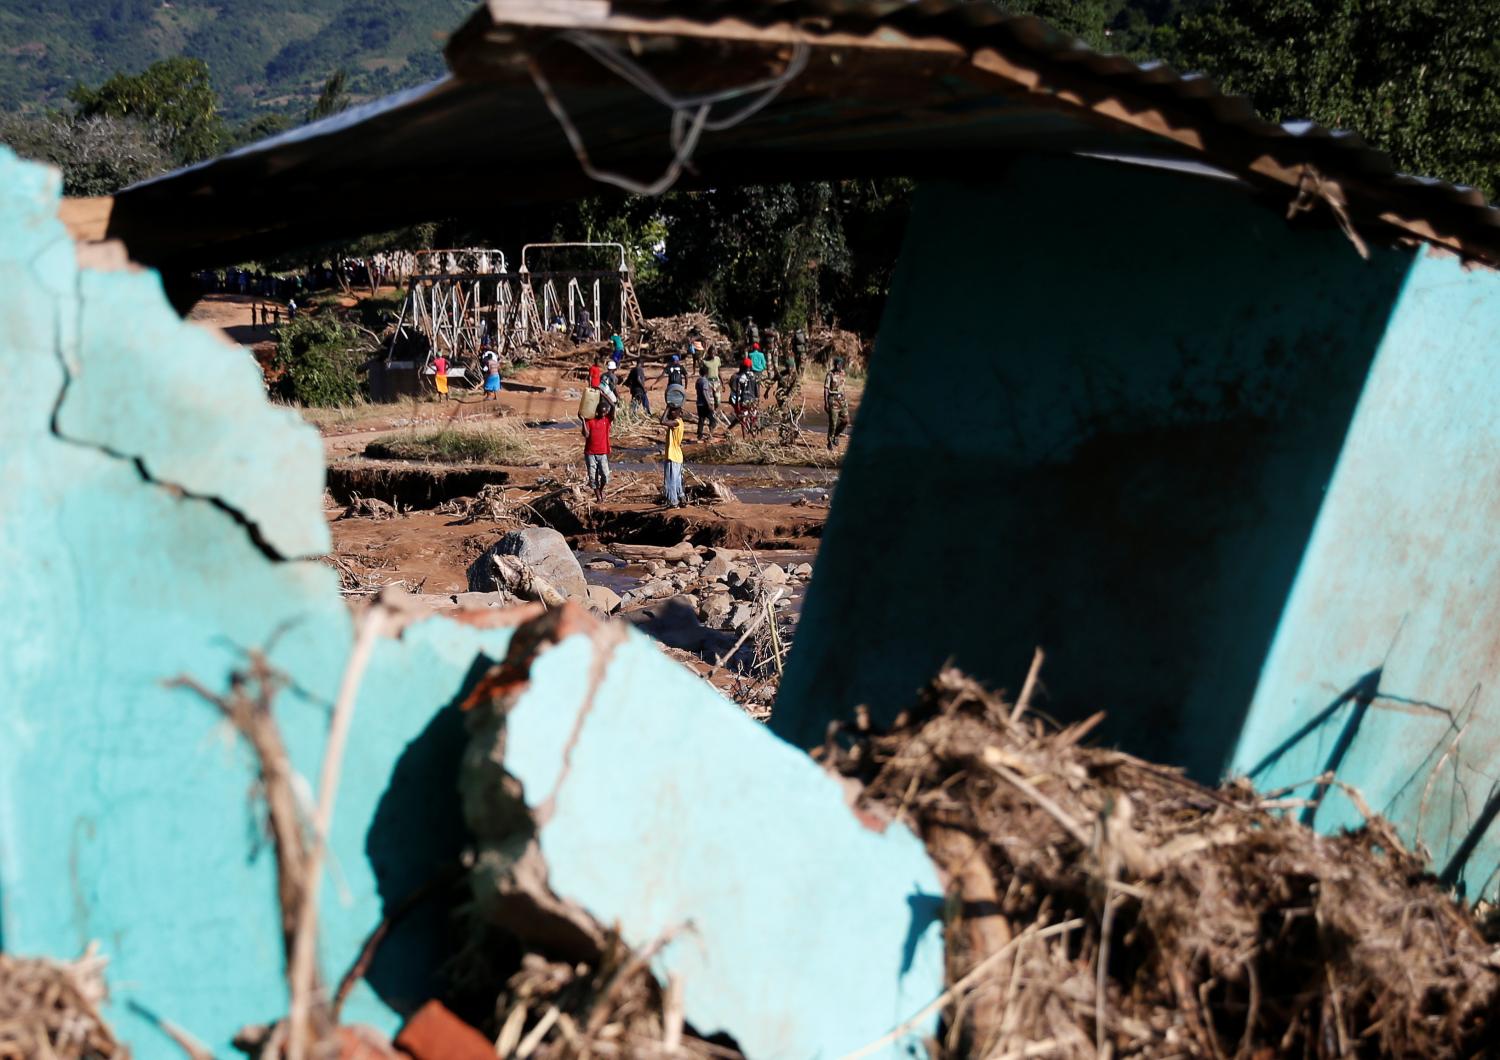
(774, 370)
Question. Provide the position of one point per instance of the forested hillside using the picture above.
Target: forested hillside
(261, 54)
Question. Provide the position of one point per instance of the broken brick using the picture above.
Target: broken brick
(435, 1033)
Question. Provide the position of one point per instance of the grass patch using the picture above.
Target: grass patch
(766, 453)
(363, 413)
(488, 443)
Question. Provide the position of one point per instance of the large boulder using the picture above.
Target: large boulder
(675, 623)
(719, 564)
(715, 610)
(542, 549)
(603, 599)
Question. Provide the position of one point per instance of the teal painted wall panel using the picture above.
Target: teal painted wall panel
(1386, 661)
(152, 509)
(820, 980)
(125, 807)
(1101, 414)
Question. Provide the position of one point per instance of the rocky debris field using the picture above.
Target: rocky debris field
(728, 613)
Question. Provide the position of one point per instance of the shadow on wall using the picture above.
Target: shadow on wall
(1105, 406)
(414, 844)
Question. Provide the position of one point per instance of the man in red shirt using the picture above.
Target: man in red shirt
(596, 448)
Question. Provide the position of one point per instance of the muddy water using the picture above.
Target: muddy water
(621, 578)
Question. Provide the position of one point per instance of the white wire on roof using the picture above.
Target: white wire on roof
(690, 114)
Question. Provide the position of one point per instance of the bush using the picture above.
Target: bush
(317, 362)
(378, 313)
(493, 443)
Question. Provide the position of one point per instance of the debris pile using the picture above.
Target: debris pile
(825, 343)
(711, 491)
(612, 1005)
(727, 588)
(51, 1009)
(489, 506)
(1107, 905)
(664, 336)
(369, 508)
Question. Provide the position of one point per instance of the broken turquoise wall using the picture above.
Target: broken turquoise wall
(1218, 466)
(158, 518)
(1383, 666)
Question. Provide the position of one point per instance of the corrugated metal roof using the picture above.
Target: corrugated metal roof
(930, 87)
(1066, 66)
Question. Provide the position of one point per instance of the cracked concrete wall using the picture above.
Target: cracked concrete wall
(156, 519)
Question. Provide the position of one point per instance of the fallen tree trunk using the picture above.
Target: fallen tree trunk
(678, 553)
(515, 576)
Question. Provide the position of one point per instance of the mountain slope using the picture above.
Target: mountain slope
(263, 54)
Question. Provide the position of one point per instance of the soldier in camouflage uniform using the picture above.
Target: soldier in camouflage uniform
(835, 403)
(788, 394)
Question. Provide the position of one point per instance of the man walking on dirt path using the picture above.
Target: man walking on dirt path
(799, 347)
(672, 458)
(635, 382)
(744, 396)
(676, 378)
(752, 332)
(712, 361)
(440, 376)
(708, 403)
(835, 403)
(596, 448)
(491, 365)
(608, 386)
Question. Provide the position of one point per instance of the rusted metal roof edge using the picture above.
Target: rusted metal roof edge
(1308, 162)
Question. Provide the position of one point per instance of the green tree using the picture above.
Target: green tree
(333, 98)
(174, 95)
(765, 250)
(1419, 79)
(258, 128)
(317, 361)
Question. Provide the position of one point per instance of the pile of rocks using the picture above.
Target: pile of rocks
(723, 586)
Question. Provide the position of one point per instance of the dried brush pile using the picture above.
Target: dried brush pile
(51, 1009)
(1102, 905)
(664, 336)
(614, 1007)
(826, 343)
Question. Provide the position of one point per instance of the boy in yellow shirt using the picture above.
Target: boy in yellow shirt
(672, 465)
